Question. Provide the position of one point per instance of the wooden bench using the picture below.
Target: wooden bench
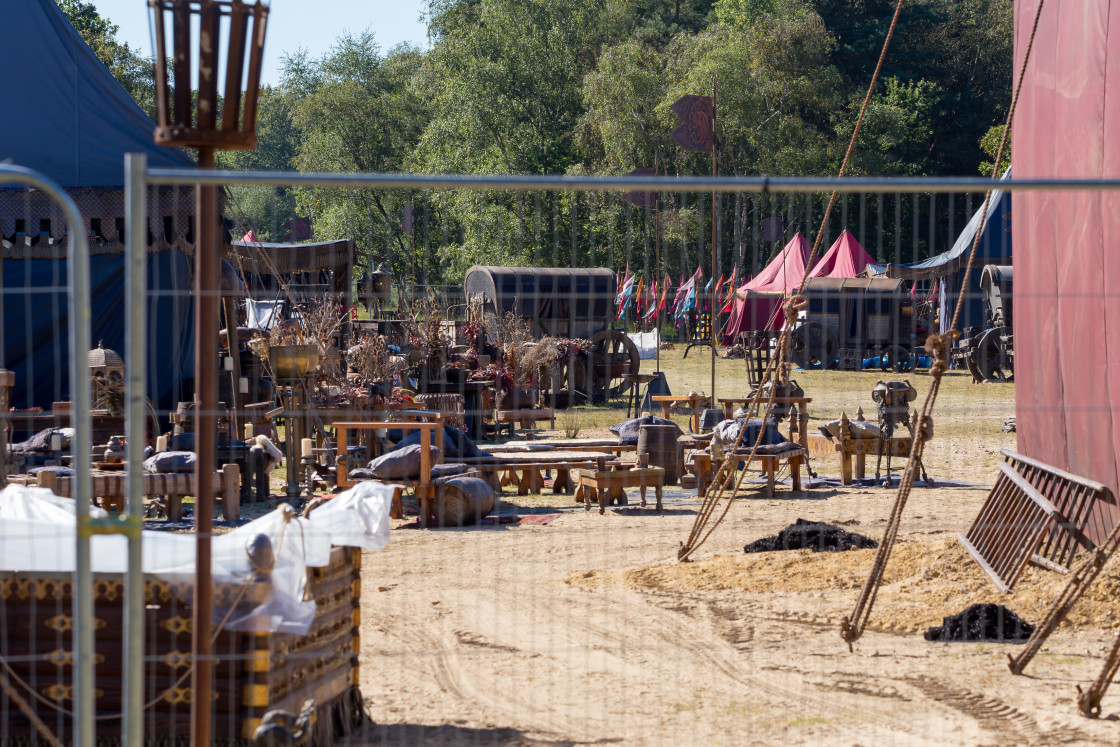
(771, 462)
(694, 401)
(503, 469)
(110, 488)
(526, 417)
(609, 485)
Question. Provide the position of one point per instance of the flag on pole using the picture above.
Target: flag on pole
(623, 299)
(664, 292)
(652, 300)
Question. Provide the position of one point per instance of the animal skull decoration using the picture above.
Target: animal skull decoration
(779, 410)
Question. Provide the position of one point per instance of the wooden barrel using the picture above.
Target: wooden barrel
(461, 501)
(660, 442)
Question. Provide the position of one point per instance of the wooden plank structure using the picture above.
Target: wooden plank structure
(109, 486)
(1034, 513)
(254, 672)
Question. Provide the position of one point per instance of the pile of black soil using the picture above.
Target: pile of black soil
(982, 622)
(811, 535)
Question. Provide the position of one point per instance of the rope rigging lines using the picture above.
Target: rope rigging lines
(780, 363)
(852, 627)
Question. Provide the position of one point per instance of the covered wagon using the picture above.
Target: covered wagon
(564, 303)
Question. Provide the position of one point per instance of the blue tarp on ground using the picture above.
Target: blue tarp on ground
(36, 332)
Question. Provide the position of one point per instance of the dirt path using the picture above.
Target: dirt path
(540, 635)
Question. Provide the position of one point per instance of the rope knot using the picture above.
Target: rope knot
(795, 303)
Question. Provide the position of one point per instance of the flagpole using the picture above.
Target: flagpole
(657, 264)
(715, 291)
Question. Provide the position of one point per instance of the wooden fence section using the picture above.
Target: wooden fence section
(1037, 513)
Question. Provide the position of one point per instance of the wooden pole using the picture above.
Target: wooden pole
(715, 290)
(657, 272)
(206, 261)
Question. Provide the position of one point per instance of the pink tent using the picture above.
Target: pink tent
(757, 302)
(845, 259)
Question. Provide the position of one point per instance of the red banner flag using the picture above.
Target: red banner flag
(642, 199)
(695, 131)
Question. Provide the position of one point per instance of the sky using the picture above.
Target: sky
(313, 24)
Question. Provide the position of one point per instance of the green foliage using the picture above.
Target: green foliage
(133, 71)
(990, 145)
(585, 87)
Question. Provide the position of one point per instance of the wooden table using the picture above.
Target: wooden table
(694, 401)
(798, 429)
(424, 491)
(608, 486)
(603, 445)
(110, 485)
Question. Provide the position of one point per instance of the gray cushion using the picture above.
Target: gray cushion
(402, 464)
(170, 462)
(627, 431)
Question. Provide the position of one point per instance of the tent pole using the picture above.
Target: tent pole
(715, 290)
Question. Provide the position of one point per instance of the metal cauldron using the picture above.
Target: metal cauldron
(293, 361)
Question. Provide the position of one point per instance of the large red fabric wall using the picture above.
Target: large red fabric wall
(1067, 244)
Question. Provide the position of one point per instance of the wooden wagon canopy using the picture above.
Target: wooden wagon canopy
(284, 259)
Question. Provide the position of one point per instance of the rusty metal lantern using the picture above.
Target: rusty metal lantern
(241, 25)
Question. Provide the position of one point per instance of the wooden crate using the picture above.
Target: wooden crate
(253, 672)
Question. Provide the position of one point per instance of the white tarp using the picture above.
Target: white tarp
(647, 343)
(262, 314)
(37, 535)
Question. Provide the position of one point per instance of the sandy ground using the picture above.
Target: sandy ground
(586, 630)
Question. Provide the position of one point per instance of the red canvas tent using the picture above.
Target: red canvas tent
(1067, 345)
(844, 259)
(757, 302)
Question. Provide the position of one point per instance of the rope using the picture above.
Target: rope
(1080, 579)
(287, 514)
(780, 363)
(28, 711)
(852, 626)
(1090, 702)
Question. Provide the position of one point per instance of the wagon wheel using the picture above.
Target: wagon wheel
(813, 346)
(897, 359)
(991, 358)
(973, 367)
(612, 354)
(571, 380)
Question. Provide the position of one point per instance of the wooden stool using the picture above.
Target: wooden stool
(700, 464)
(608, 486)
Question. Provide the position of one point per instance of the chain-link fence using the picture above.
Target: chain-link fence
(489, 314)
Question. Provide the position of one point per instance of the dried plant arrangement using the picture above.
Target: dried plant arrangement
(372, 360)
(424, 327)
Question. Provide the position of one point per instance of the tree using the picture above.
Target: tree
(131, 70)
(261, 208)
(356, 109)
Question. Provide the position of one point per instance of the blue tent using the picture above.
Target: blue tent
(69, 119)
(949, 267)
